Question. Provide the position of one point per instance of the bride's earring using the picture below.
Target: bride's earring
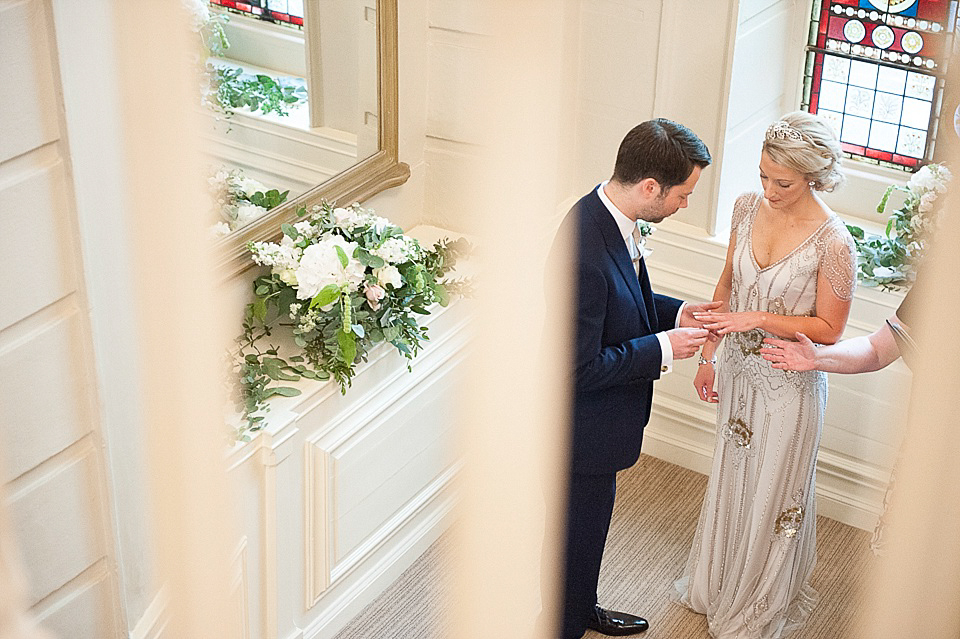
(811, 184)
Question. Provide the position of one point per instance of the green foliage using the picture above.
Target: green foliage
(259, 93)
(890, 261)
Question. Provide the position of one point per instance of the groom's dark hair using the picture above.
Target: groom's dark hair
(660, 149)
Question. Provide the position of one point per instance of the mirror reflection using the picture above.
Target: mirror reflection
(292, 91)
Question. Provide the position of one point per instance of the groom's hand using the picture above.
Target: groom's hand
(686, 342)
(687, 320)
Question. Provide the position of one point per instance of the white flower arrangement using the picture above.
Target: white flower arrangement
(890, 261)
(239, 200)
(345, 279)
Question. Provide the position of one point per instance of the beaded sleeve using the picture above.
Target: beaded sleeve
(838, 259)
(745, 205)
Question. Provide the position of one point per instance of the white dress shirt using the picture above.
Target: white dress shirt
(626, 226)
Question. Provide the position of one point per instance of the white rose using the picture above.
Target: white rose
(250, 186)
(388, 275)
(289, 277)
(247, 213)
(883, 271)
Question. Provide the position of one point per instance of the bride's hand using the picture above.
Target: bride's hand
(703, 381)
(723, 323)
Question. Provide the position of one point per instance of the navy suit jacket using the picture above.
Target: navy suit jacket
(616, 352)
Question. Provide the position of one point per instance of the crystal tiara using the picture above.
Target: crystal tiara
(780, 130)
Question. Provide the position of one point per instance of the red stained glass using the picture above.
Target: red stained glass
(904, 160)
(935, 10)
(886, 156)
(852, 148)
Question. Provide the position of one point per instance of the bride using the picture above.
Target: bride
(789, 268)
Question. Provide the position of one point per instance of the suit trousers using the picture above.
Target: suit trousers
(589, 509)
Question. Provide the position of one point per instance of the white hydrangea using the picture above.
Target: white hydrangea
(220, 229)
(930, 178)
(394, 250)
(305, 229)
(199, 12)
(349, 219)
(926, 201)
(320, 266)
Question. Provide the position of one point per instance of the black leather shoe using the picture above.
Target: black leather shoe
(617, 624)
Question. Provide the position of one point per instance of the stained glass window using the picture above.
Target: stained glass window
(876, 69)
(289, 12)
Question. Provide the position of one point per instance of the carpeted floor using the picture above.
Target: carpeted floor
(653, 525)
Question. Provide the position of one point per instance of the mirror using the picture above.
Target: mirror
(368, 128)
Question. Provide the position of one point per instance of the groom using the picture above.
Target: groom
(626, 337)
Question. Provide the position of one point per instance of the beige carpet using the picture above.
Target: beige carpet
(657, 508)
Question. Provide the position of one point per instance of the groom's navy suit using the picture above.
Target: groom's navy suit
(617, 359)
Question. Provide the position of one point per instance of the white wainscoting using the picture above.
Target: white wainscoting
(341, 493)
(865, 413)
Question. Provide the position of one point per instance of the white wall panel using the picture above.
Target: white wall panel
(456, 66)
(617, 58)
(450, 184)
(58, 518)
(37, 425)
(35, 237)
(468, 16)
(85, 614)
(26, 79)
(409, 446)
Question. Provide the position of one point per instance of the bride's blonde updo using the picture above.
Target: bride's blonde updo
(807, 144)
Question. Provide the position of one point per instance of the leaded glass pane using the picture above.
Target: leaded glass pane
(875, 70)
(855, 130)
(887, 108)
(891, 80)
(863, 74)
(285, 12)
(860, 102)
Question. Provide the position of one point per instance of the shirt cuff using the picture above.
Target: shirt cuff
(676, 323)
(666, 353)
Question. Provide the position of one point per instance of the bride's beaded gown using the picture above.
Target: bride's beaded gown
(755, 546)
